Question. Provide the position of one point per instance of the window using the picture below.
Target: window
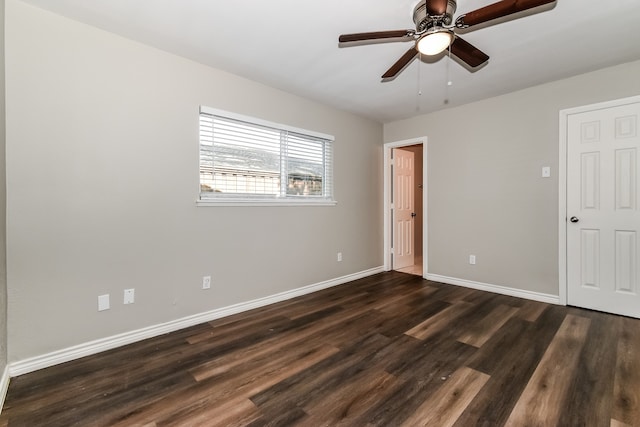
(247, 160)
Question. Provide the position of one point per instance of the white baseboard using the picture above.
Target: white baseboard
(520, 293)
(4, 386)
(71, 353)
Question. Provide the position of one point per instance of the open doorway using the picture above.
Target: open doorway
(405, 201)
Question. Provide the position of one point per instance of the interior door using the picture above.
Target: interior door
(603, 251)
(403, 208)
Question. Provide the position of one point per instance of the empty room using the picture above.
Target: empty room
(279, 213)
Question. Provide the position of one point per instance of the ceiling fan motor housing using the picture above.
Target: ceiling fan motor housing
(424, 21)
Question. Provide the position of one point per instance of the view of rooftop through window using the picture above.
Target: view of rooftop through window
(243, 159)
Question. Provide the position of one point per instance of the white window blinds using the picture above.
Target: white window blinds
(245, 159)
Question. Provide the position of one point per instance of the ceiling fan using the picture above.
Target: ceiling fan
(435, 30)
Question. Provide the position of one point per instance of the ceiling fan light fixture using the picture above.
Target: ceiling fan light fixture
(435, 41)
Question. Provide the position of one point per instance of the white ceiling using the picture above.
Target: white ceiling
(293, 45)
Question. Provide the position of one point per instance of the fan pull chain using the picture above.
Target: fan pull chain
(449, 82)
(419, 82)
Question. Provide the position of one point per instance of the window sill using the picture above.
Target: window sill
(253, 202)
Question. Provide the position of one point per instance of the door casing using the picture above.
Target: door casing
(562, 185)
(388, 226)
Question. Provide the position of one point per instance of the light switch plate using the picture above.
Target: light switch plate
(546, 171)
(103, 302)
(129, 296)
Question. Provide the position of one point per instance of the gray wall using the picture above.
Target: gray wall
(485, 192)
(3, 206)
(102, 176)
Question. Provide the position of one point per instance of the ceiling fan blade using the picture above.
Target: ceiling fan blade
(468, 53)
(436, 7)
(356, 37)
(497, 10)
(401, 63)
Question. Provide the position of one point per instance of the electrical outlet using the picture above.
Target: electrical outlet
(103, 302)
(206, 282)
(472, 259)
(129, 296)
(339, 257)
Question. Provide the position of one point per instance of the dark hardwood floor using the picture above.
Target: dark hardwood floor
(391, 349)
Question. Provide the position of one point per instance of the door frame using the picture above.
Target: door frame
(562, 185)
(388, 226)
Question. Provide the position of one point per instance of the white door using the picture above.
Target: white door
(403, 208)
(603, 245)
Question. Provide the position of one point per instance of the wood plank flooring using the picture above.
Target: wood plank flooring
(388, 350)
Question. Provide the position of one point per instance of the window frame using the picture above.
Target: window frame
(267, 200)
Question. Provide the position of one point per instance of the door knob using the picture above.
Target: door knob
(413, 214)
(574, 219)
